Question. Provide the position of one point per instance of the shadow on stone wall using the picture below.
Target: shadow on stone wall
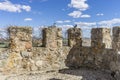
(55, 79)
(88, 74)
(91, 57)
(103, 63)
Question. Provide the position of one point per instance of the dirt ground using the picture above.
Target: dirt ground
(62, 74)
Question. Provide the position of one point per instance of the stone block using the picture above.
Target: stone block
(100, 38)
(74, 36)
(116, 38)
(20, 46)
(52, 37)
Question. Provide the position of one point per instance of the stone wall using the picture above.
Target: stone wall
(116, 38)
(100, 55)
(51, 54)
(23, 57)
(100, 37)
(52, 37)
(20, 50)
(74, 36)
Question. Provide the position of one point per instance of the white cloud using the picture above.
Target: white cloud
(78, 14)
(85, 16)
(79, 4)
(110, 22)
(59, 21)
(75, 14)
(28, 19)
(2, 29)
(105, 23)
(65, 21)
(100, 14)
(85, 23)
(64, 27)
(10, 7)
(26, 8)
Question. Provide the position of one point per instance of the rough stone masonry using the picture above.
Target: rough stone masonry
(24, 57)
(102, 54)
(20, 50)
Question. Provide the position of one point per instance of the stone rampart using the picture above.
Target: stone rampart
(103, 53)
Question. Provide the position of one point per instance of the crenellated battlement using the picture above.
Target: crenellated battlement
(103, 52)
(100, 37)
(52, 36)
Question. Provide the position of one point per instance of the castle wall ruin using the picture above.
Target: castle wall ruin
(102, 54)
(20, 50)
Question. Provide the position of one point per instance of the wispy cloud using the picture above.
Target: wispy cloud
(59, 21)
(65, 27)
(67, 21)
(85, 16)
(28, 19)
(10, 7)
(85, 23)
(110, 22)
(64, 21)
(75, 14)
(99, 14)
(105, 23)
(78, 14)
(87, 26)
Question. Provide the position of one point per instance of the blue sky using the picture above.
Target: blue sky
(65, 13)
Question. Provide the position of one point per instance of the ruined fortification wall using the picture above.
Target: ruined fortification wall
(102, 54)
(20, 50)
(21, 56)
(51, 55)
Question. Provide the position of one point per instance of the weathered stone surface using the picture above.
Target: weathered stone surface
(34, 67)
(20, 47)
(26, 54)
(39, 63)
(74, 36)
(100, 37)
(100, 55)
(116, 38)
(117, 75)
(52, 37)
(46, 59)
(28, 45)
